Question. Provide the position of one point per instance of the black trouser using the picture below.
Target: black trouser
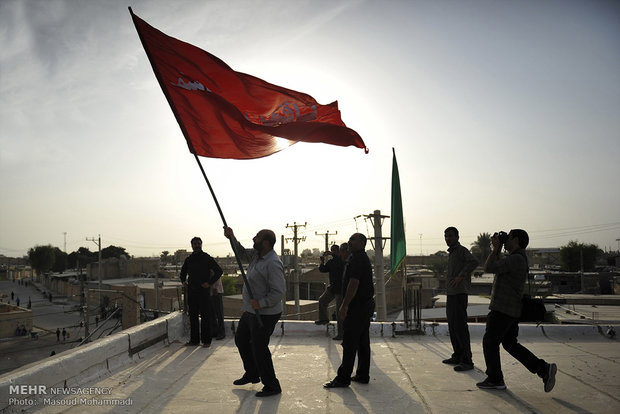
(324, 301)
(253, 344)
(217, 327)
(504, 329)
(199, 302)
(456, 312)
(356, 341)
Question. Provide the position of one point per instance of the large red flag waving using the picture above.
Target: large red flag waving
(228, 114)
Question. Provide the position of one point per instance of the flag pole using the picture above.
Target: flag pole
(193, 151)
(232, 244)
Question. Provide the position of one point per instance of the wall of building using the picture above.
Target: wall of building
(169, 298)
(114, 268)
(13, 317)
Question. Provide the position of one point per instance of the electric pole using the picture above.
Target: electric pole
(377, 221)
(98, 243)
(326, 235)
(296, 241)
(421, 234)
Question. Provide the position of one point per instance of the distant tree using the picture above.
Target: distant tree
(80, 258)
(230, 285)
(41, 258)
(113, 251)
(572, 254)
(439, 263)
(164, 257)
(60, 260)
(306, 253)
(481, 248)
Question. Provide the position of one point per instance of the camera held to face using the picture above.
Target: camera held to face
(502, 236)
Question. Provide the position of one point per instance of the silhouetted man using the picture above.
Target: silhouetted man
(203, 271)
(356, 310)
(503, 321)
(461, 264)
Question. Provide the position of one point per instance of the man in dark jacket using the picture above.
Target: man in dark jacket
(461, 264)
(503, 320)
(203, 272)
(334, 267)
(356, 310)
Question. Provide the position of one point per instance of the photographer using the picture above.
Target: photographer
(503, 321)
(335, 267)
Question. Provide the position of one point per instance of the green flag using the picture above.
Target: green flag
(398, 248)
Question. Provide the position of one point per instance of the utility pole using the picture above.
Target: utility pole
(421, 234)
(84, 300)
(583, 287)
(377, 221)
(98, 243)
(284, 308)
(65, 234)
(326, 235)
(296, 241)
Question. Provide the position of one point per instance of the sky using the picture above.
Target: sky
(502, 114)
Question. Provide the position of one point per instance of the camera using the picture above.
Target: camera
(502, 236)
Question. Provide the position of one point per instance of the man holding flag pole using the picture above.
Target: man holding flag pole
(227, 114)
(266, 277)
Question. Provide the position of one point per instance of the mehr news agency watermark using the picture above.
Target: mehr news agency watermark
(31, 395)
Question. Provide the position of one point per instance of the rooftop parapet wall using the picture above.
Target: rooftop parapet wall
(80, 365)
(13, 317)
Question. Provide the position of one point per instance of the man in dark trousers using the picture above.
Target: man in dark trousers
(266, 279)
(503, 321)
(356, 310)
(461, 264)
(203, 272)
(334, 267)
(218, 328)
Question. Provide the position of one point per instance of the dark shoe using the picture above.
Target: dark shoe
(190, 343)
(220, 337)
(335, 384)
(268, 391)
(490, 385)
(337, 338)
(463, 367)
(361, 380)
(322, 322)
(245, 380)
(206, 344)
(451, 361)
(549, 377)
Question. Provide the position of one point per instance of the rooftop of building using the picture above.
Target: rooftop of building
(146, 369)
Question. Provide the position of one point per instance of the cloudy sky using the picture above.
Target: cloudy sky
(503, 114)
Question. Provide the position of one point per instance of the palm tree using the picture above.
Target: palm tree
(481, 248)
(164, 257)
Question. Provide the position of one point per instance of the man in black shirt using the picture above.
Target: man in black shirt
(203, 272)
(356, 310)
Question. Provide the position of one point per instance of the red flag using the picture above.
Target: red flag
(228, 114)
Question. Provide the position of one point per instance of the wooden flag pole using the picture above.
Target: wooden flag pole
(232, 244)
(193, 151)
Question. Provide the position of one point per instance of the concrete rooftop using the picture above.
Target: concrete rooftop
(406, 375)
